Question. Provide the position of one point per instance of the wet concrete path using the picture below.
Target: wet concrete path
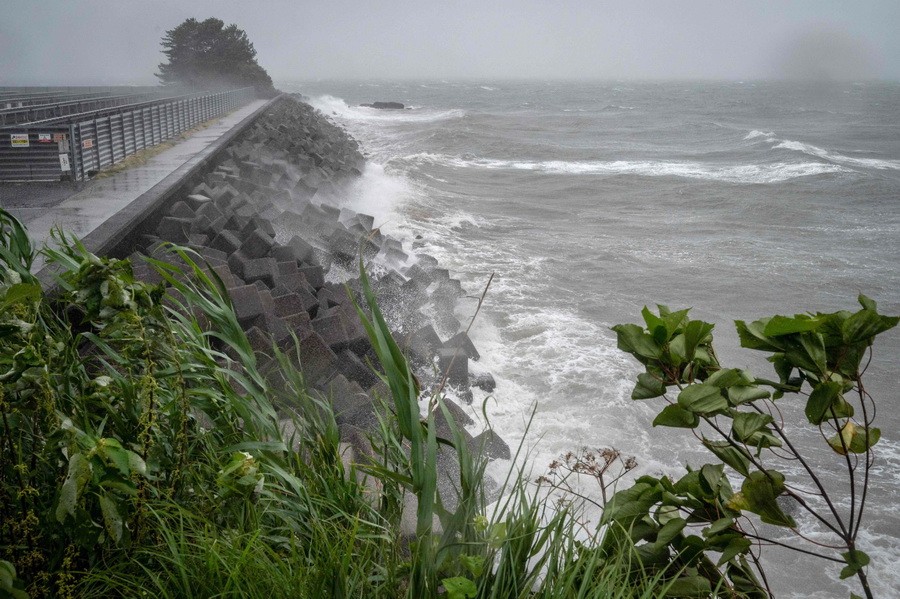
(81, 209)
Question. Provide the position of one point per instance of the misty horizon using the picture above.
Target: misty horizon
(99, 42)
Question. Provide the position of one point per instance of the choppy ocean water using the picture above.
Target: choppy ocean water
(589, 201)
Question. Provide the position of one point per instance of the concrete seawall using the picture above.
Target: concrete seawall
(256, 207)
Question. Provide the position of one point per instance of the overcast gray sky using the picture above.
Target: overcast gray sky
(106, 41)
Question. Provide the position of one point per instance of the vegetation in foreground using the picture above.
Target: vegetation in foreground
(147, 451)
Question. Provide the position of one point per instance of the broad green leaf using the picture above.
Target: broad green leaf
(738, 459)
(77, 477)
(737, 546)
(814, 347)
(786, 325)
(742, 394)
(782, 367)
(862, 326)
(648, 387)
(702, 399)
(712, 474)
(674, 320)
(459, 587)
(823, 396)
(745, 424)
(758, 494)
(854, 439)
(634, 502)
(695, 333)
(718, 526)
(856, 561)
(19, 293)
(112, 450)
(841, 408)
(111, 518)
(867, 303)
(473, 563)
(727, 377)
(677, 350)
(689, 586)
(670, 530)
(689, 484)
(632, 339)
(752, 336)
(136, 464)
(655, 325)
(8, 582)
(677, 417)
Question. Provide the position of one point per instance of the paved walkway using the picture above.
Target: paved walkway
(98, 200)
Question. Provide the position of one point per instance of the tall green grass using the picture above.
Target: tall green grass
(148, 452)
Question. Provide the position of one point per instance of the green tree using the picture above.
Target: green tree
(207, 54)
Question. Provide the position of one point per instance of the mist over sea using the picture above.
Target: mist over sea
(589, 201)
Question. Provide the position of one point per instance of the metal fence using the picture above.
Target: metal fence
(61, 107)
(91, 141)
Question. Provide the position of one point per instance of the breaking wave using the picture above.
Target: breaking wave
(821, 153)
(332, 106)
(810, 150)
(733, 173)
(769, 135)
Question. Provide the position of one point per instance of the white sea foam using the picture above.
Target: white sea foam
(488, 88)
(378, 194)
(736, 173)
(769, 135)
(811, 150)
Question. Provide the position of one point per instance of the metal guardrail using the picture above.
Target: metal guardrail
(58, 108)
(128, 103)
(25, 96)
(78, 149)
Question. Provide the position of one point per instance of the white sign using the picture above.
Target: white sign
(64, 163)
(44, 138)
(18, 140)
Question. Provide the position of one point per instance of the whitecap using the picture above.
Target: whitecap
(333, 106)
(737, 173)
(769, 135)
(811, 150)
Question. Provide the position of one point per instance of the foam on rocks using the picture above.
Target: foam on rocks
(262, 221)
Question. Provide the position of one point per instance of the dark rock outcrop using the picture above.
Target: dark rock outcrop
(385, 105)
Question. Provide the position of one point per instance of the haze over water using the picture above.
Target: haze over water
(589, 201)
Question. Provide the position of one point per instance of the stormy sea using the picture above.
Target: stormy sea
(590, 200)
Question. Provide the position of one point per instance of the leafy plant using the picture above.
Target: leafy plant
(819, 357)
(145, 448)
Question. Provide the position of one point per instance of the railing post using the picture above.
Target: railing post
(74, 162)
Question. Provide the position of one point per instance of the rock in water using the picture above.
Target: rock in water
(385, 105)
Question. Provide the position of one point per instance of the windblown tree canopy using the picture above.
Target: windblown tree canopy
(207, 54)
